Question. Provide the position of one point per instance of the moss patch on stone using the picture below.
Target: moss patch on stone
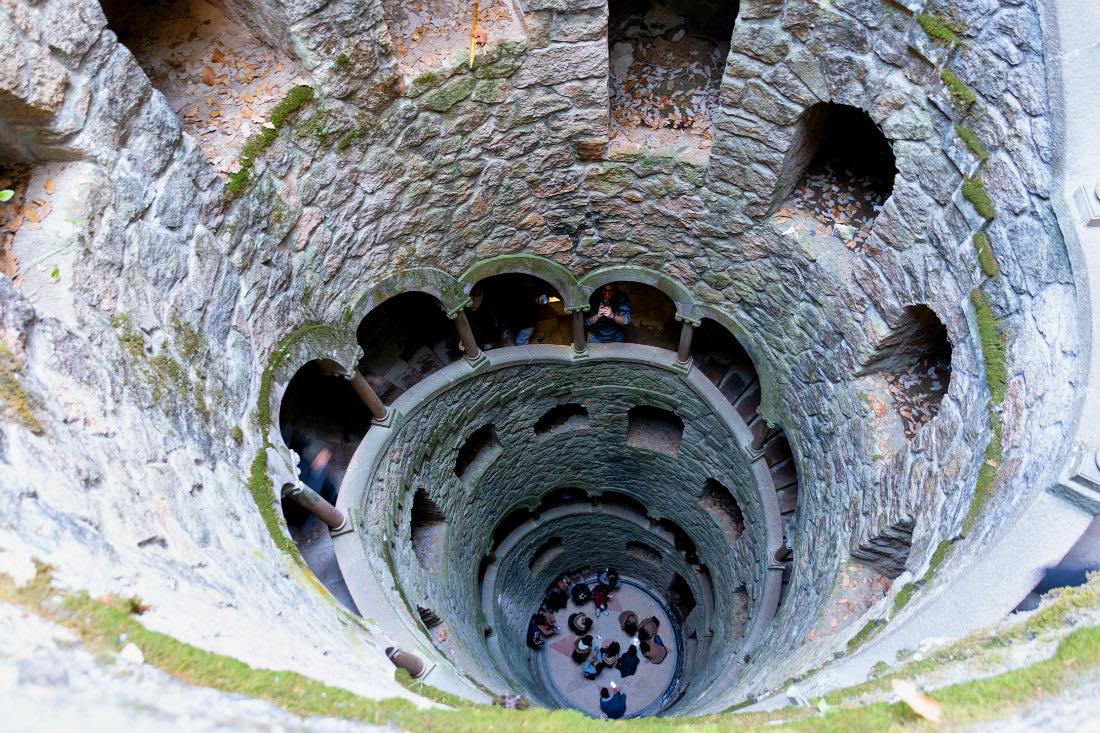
(987, 477)
(986, 260)
(869, 629)
(994, 346)
(263, 494)
(15, 404)
(970, 139)
(973, 190)
(939, 29)
(962, 96)
(261, 141)
(901, 600)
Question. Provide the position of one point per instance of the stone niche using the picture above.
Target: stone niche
(666, 64)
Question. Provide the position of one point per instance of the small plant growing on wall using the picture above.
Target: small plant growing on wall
(6, 195)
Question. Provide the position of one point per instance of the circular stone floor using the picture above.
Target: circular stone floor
(647, 690)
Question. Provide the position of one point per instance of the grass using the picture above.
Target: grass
(962, 96)
(970, 139)
(987, 477)
(986, 259)
(973, 190)
(106, 624)
(261, 141)
(869, 629)
(994, 346)
(939, 29)
(904, 596)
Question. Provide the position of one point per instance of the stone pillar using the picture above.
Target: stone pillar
(683, 354)
(316, 505)
(580, 342)
(378, 409)
(466, 336)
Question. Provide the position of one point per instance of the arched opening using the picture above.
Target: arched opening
(720, 503)
(222, 80)
(666, 64)
(427, 531)
(425, 34)
(405, 339)
(887, 551)
(323, 420)
(510, 524)
(680, 598)
(838, 174)
(631, 312)
(651, 428)
(720, 357)
(643, 552)
(545, 554)
(516, 309)
(15, 178)
(623, 501)
(562, 418)
(913, 361)
(681, 540)
(479, 450)
(562, 496)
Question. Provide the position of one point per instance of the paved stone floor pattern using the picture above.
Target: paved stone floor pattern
(641, 688)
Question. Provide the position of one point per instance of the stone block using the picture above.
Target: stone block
(561, 63)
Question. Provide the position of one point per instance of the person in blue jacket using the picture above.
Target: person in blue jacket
(608, 315)
(613, 706)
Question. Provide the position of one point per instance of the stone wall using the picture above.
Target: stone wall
(137, 418)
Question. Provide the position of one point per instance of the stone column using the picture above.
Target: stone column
(466, 336)
(683, 354)
(580, 343)
(316, 505)
(378, 409)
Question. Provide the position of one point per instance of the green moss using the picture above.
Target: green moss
(236, 434)
(943, 549)
(939, 29)
(869, 630)
(342, 61)
(994, 347)
(987, 477)
(986, 260)
(432, 693)
(263, 494)
(348, 140)
(962, 96)
(973, 190)
(904, 596)
(189, 343)
(274, 363)
(131, 340)
(261, 141)
(15, 404)
(970, 138)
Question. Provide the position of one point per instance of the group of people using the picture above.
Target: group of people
(502, 314)
(593, 657)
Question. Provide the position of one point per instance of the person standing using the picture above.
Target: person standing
(582, 647)
(648, 628)
(581, 593)
(579, 623)
(601, 594)
(610, 315)
(611, 654)
(655, 652)
(613, 706)
(628, 622)
(628, 662)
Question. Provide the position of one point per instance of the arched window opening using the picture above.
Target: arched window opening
(428, 530)
(888, 550)
(516, 309)
(205, 64)
(15, 177)
(643, 552)
(721, 358)
(479, 450)
(666, 63)
(510, 524)
(322, 419)
(562, 418)
(632, 312)
(483, 568)
(404, 340)
(838, 174)
(615, 499)
(680, 598)
(545, 554)
(914, 362)
(562, 496)
(681, 540)
(720, 503)
(425, 34)
(654, 429)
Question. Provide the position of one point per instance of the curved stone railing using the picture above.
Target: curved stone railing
(373, 584)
